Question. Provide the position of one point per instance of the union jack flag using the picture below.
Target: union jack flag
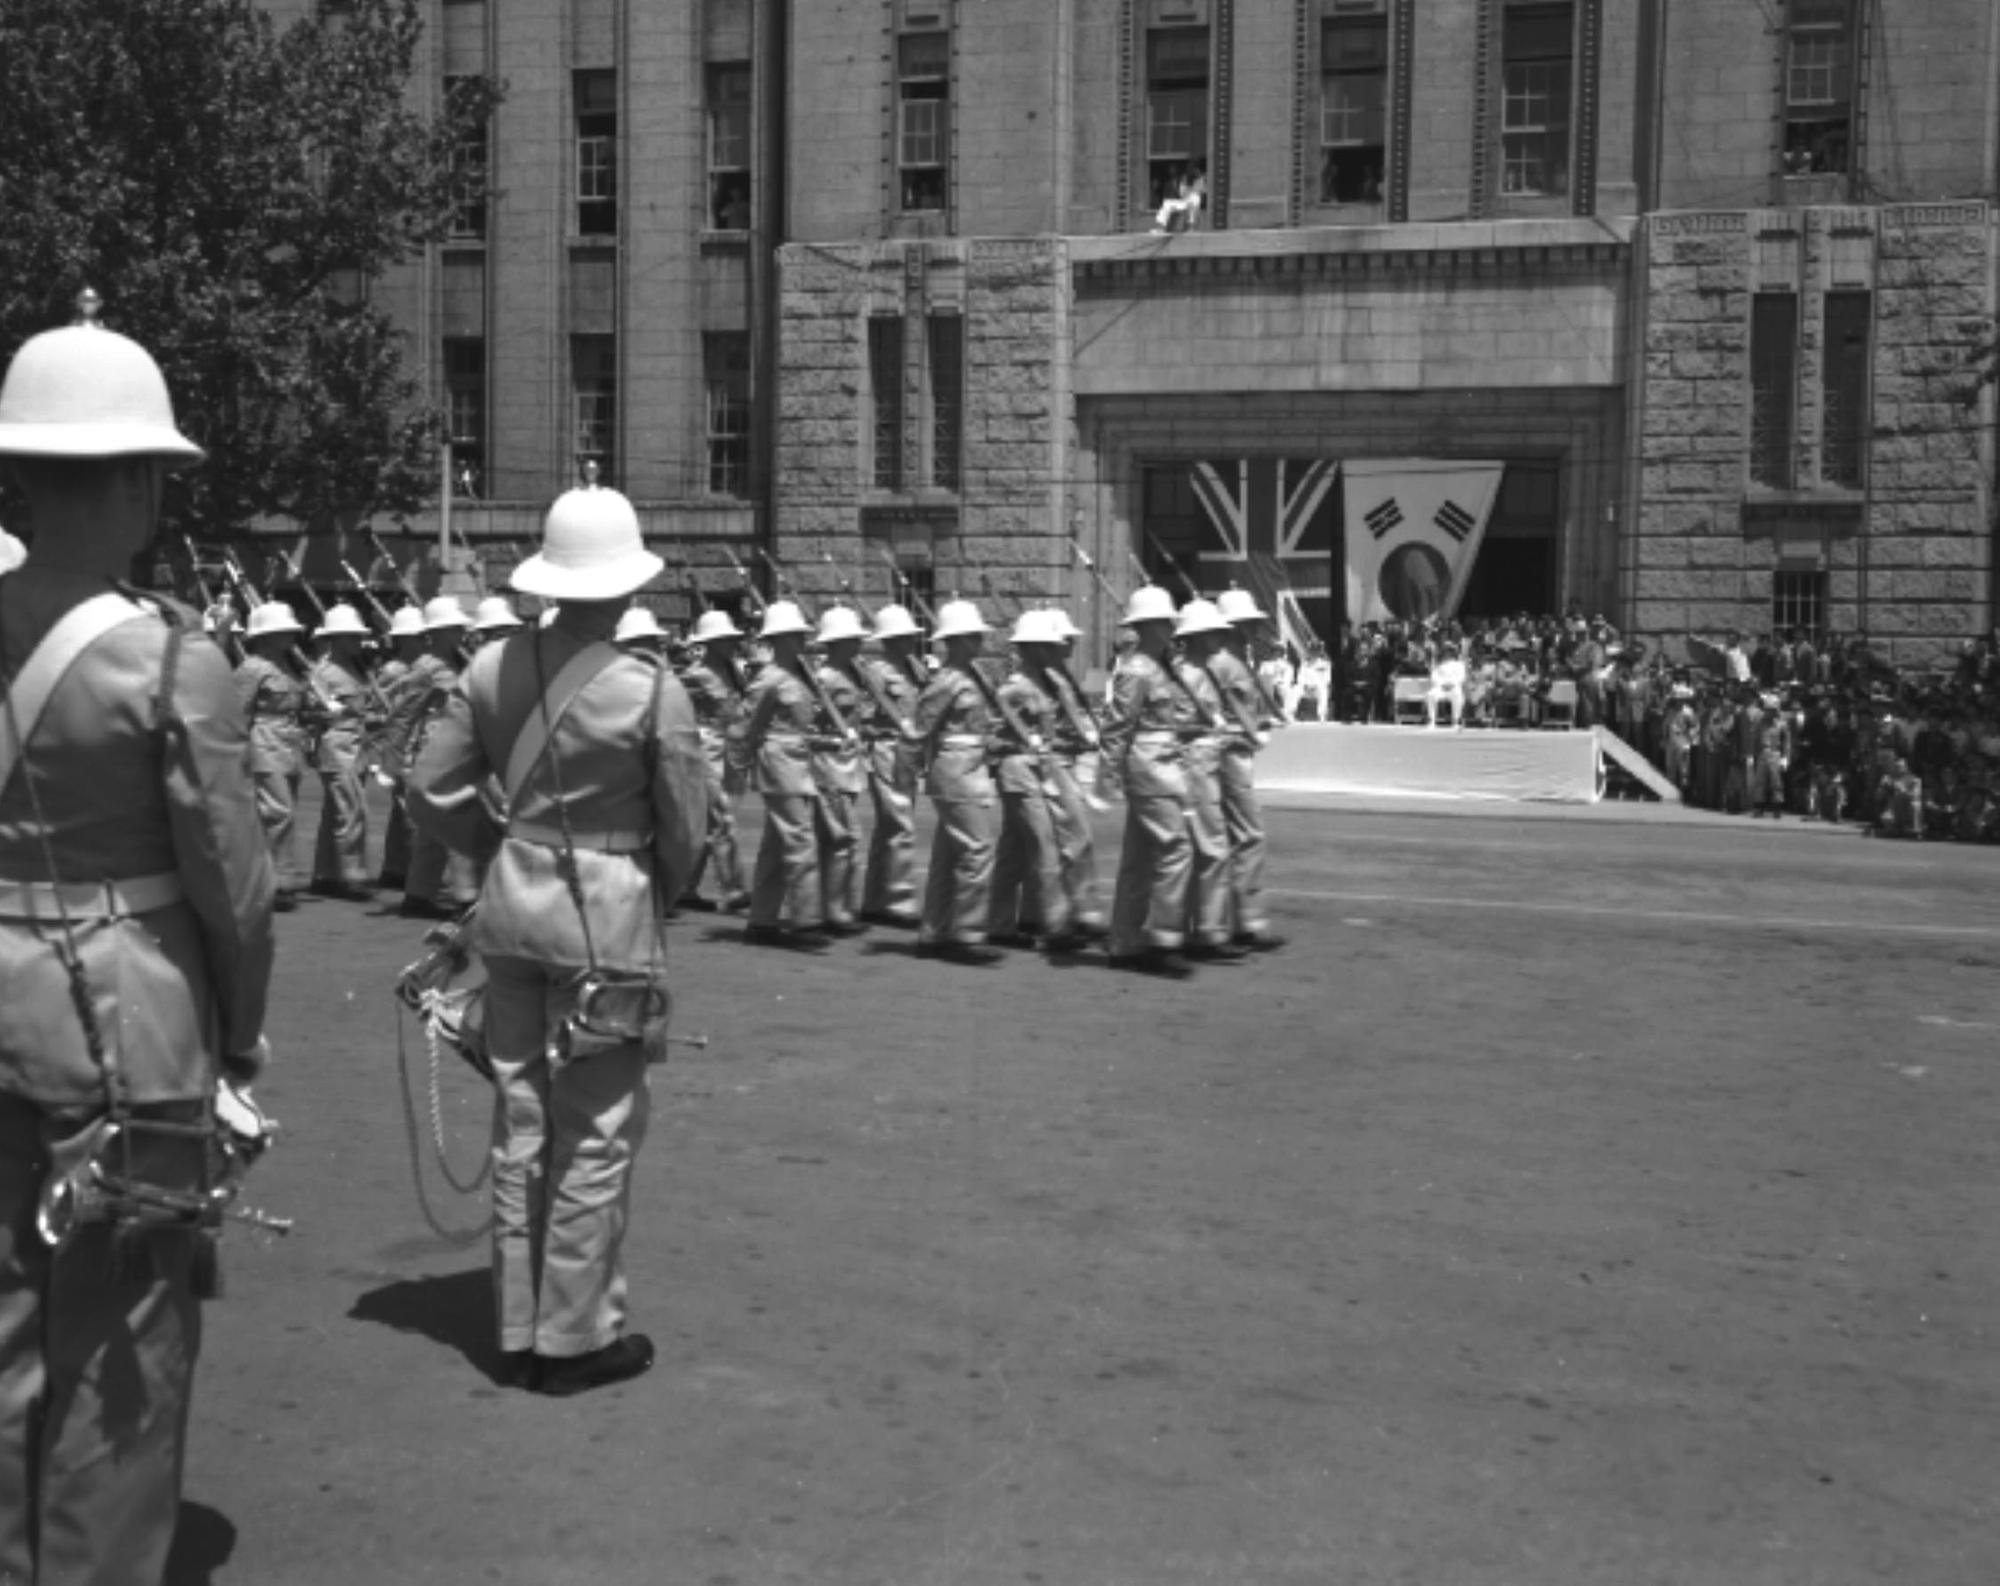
(1274, 519)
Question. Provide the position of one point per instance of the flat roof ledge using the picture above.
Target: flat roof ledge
(1492, 244)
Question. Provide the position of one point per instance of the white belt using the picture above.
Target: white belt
(961, 740)
(596, 841)
(105, 900)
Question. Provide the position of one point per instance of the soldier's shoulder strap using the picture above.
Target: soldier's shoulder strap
(29, 694)
(539, 729)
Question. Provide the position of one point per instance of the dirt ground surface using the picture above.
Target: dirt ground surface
(1582, 1200)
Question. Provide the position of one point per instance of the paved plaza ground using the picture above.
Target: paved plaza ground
(1603, 1198)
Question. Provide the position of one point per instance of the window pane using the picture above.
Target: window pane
(885, 379)
(924, 55)
(1177, 125)
(726, 360)
(923, 132)
(1542, 32)
(1177, 58)
(947, 350)
(1845, 363)
(594, 391)
(1774, 340)
(1354, 44)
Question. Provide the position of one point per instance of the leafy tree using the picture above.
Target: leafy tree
(227, 186)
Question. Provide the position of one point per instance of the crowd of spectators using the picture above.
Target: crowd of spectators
(1789, 723)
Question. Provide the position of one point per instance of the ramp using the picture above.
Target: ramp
(1636, 765)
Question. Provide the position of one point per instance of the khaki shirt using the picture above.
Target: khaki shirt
(774, 737)
(1147, 729)
(634, 787)
(956, 724)
(273, 701)
(889, 750)
(179, 986)
(838, 766)
(1036, 707)
(340, 739)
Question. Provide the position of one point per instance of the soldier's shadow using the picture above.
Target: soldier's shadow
(454, 1309)
(203, 1542)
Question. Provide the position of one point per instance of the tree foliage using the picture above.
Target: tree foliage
(228, 186)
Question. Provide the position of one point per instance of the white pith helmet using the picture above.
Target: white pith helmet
(713, 624)
(895, 622)
(636, 623)
(1239, 605)
(958, 618)
(1199, 616)
(341, 619)
(591, 549)
(84, 391)
(444, 612)
(1036, 627)
(783, 616)
(495, 615)
(406, 622)
(12, 552)
(1064, 624)
(272, 617)
(841, 622)
(1149, 603)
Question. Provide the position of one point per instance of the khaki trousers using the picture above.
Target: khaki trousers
(1076, 849)
(958, 891)
(96, 1373)
(787, 878)
(1208, 883)
(437, 875)
(722, 847)
(1149, 906)
(341, 854)
(1028, 890)
(1244, 817)
(564, 1140)
(277, 796)
(396, 840)
(836, 842)
(891, 886)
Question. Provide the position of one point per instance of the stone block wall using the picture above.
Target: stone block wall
(1004, 525)
(1908, 555)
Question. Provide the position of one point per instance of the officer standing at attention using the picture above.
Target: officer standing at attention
(1201, 630)
(775, 739)
(130, 847)
(1028, 891)
(839, 768)
(714, 681)
(340, 856)
(955, 727)
(406, 640)
(440, 883)
(597, 754)
(1253, 713)
(1144, 759)
(893, 680)
(273, 701)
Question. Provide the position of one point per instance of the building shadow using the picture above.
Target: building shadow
(455, 1310)
(203, 1541)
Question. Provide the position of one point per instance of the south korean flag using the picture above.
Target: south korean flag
(1414, 527)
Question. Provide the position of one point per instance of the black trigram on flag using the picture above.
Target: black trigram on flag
(1385, 519)
(1454, 520)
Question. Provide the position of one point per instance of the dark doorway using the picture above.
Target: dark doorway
(1517, 565)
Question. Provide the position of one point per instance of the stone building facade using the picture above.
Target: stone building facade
(877, 280)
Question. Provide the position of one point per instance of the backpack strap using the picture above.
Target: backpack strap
(28, 697)
(538, 730)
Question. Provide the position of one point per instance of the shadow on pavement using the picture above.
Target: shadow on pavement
(203, 1541)
(455, 1310)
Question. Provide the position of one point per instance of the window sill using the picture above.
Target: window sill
(1827, 188)
(724, 240)
(1515, 206)
(585, 240)
(1372, 214)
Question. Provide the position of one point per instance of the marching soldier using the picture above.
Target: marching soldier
(440, 883)
(954, 725)
(1144, 758)
(775, 738)
(893, 681)
(601, 771)
(493, 618)
(340, 856)
(1076, 747)
(1254, 713)
(838, 767)
(124, 793)
(1200, 629)
(406, 642)
(714, 682)
(639, 633)
(273, 701)
(1028, 889)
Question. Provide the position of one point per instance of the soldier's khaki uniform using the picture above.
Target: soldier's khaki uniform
(437, 875)
(566, 1129)
(1147, 730)
(1027, 866)
(396, 836)
(1243, 815)
(890, 888)
(956, 727)
(156, 832)
(718, 701)
(273, 701)
(341, 854)
(840, 773)
(1208, 828)
(1076, 842)
(775, 741)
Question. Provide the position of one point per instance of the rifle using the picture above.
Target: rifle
(698, 601)
(993, 594)
(402, 579)
(997, 703)
(232, 645)
(757, 603)
(1173, 565)
(896, 798)
(910, 595)
(783, 576)
(298, 577)
(381, 611)
(1103, 584)
(1257, 735)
